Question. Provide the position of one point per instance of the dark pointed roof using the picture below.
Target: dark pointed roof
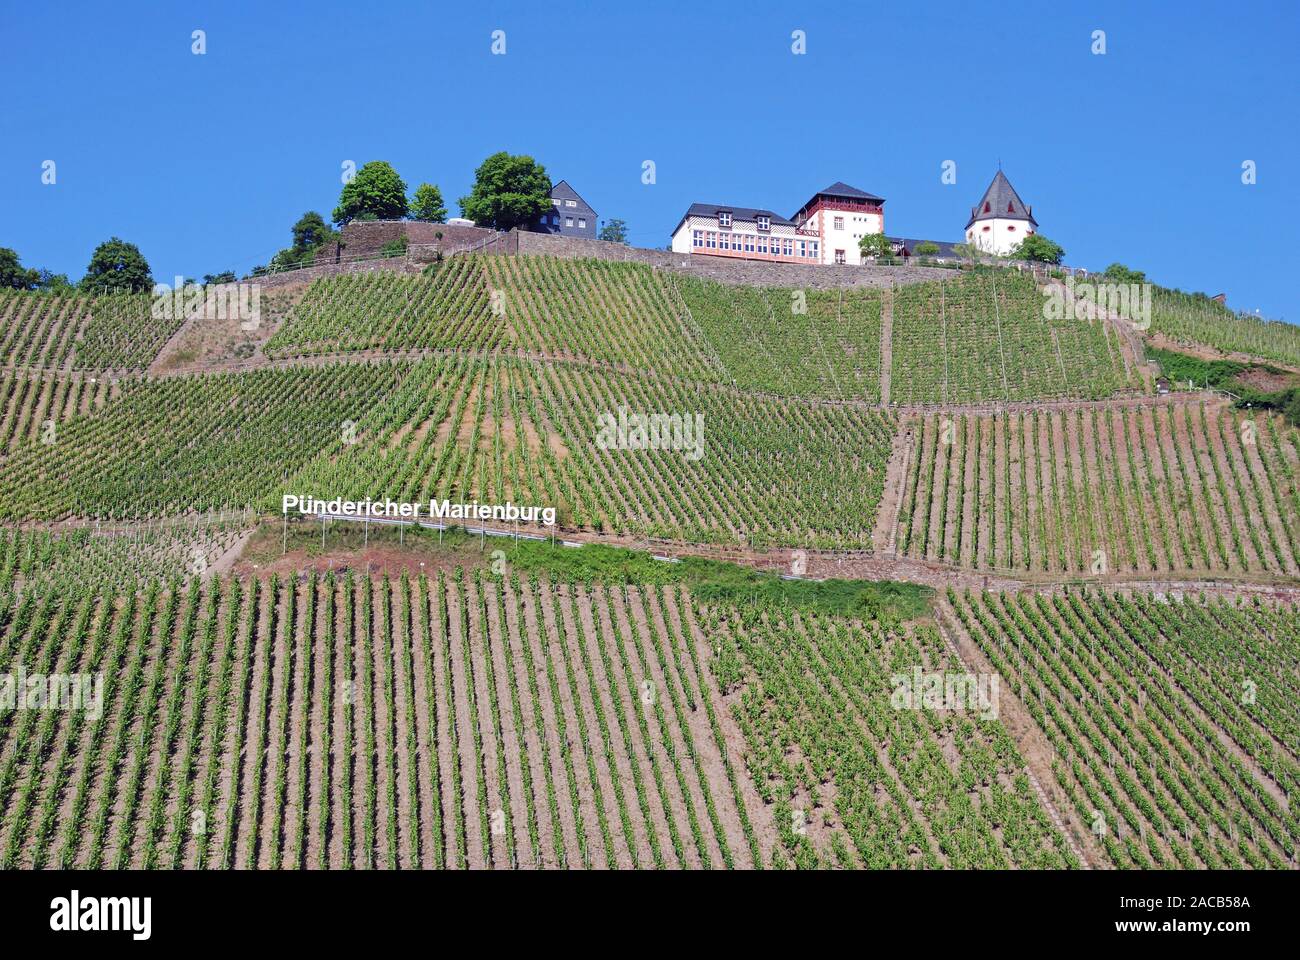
(841, 189)
(1001, 200)
(562, 191)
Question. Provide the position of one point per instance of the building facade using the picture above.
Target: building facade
(841, 216)
(1001, 219)
(826, 229)
(569, 216)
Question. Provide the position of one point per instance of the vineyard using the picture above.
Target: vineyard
(1194, 319)
(296, 695)
(461, 721)
(1189, 487)
(765, 472)
(852, 780)
(33, 404)
(1161, 743)
(983, 337)
(50, 331)
(190, 443)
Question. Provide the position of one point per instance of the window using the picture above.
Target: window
(555, 201)
(839, 223)
(803, 248)
(762, 244)
(816, 252)
(697, 239)
(749, 243)
(987, 207)
(582, 222)
(711, 240)
(570, 203)
(568, 221)
(1011, 208)
(1011, 226)
(986, 229)
(839, 256)
(764, 222)
(789, 248)
(724, 218)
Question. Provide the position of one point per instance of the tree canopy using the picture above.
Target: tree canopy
(375, 193)
(117, 265)
(509, 191)
(1039, 249)
(876, 245)
(427, 204)
(615, 230)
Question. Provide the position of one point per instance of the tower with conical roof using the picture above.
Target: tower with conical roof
(1001, 219)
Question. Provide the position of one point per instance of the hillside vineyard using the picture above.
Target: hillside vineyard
(881, 574)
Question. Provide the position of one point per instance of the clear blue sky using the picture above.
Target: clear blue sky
(206, 161)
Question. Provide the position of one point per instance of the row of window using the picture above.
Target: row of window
(567, 203)
(568, 221)
(749, 243)
(764, 222)
(985, 229)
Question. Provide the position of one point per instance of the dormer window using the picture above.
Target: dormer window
(724, 218)
(764, 222)
(987, 206)
(1011, 208)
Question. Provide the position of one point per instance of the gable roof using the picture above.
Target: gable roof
(737, 213)
(1001, 200)
(841, 189)
(562, 191)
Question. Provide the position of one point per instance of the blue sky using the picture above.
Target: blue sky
(206, 161)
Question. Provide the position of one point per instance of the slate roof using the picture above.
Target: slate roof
(841, 189)
(737, 213)
(1002, 201)
(562, 191)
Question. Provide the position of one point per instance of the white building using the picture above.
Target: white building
(826, 229)
(1000, 220)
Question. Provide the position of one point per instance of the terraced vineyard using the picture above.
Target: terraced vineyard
(1161, 743)
(117, 559)
(34, 404)
(1190, 487)
(809, 343)
(769, 471)
(983, 337)
(190, 443)
(459, 722)
(855, 781)
(50, 331)
(375, 311)
(1195, 319)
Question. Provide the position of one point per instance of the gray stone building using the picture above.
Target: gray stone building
(569, 216)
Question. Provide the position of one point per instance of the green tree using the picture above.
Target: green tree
(427, 206)
(509, 191)
(876, 245)
(13, 274)
(212, 279)
(117, 265)
(926, 248)
(375, 193)
(1038, 249)
(311, 231)
(614, 230)
(1121, 273)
